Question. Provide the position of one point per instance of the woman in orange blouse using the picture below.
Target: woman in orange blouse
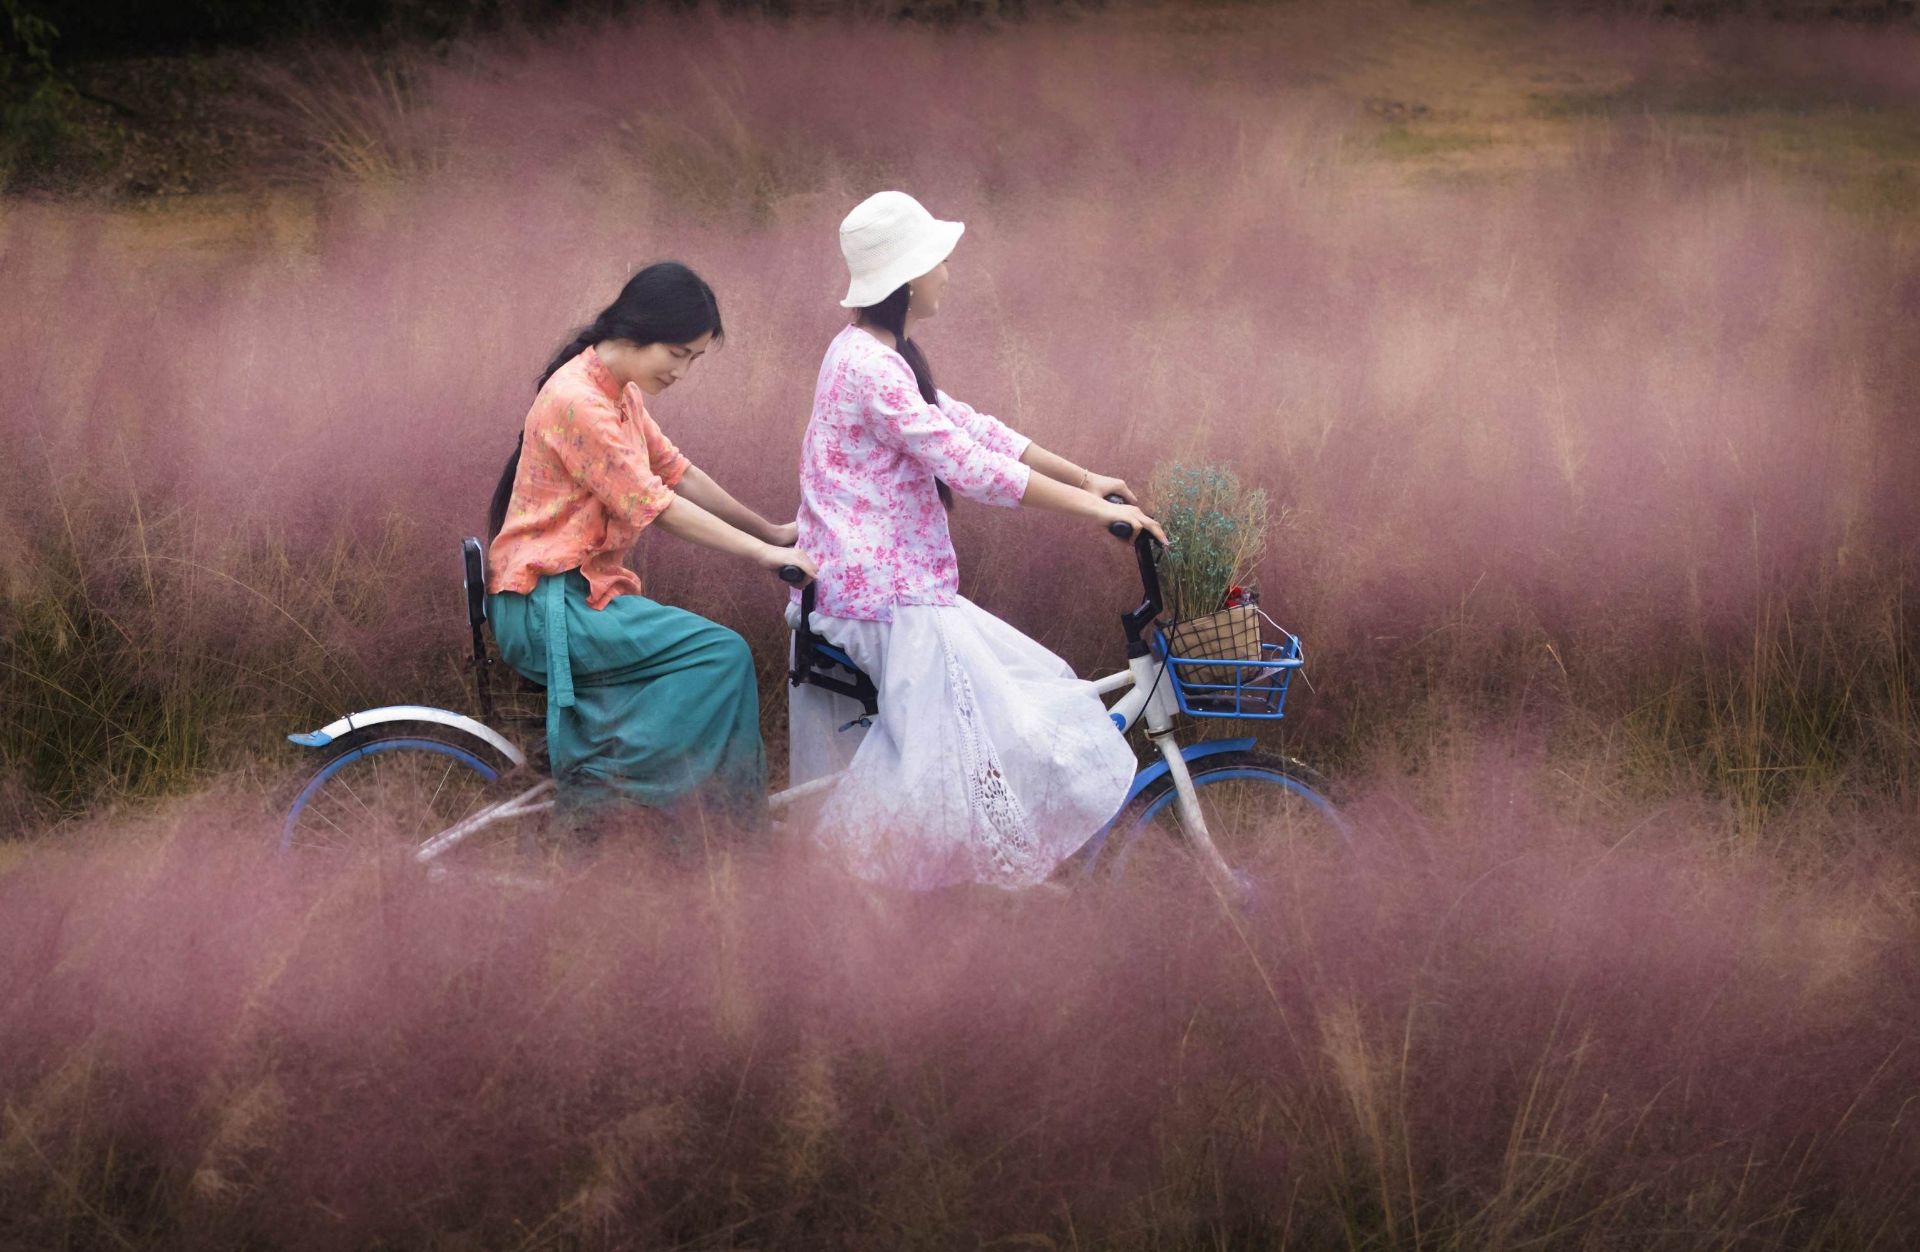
(645, 701)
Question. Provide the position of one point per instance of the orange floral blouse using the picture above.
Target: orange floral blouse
(595, 470)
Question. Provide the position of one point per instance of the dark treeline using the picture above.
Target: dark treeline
(110, 27)
(84, 28)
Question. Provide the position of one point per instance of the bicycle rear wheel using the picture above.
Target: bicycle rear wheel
(1260, 811)
(399, 785)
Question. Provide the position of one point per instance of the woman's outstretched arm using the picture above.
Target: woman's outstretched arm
(698, 486)
(1046, 492)
(1058, 468)
(1001, 437)
(685, 519)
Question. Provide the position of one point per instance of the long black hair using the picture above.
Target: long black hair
(890, 315)
(664, 303)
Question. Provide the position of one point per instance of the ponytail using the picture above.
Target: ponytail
(890, 315)
(503, 491)
(663, 303)
(588, 336)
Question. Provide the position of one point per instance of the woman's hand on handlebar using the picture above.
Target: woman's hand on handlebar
(1130, 516)
(1104, 487)
(784, 560)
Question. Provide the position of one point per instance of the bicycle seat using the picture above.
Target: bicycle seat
(827, 652)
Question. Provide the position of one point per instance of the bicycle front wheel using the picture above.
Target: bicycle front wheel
(1260, 810)
(395, 786)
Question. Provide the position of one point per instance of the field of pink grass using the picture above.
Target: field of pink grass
(1481, 1032)
(1592, 467)
(1623, 437)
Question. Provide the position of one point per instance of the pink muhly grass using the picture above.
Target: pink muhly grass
(1625, 435)
(1491, 1027)
(1574, 431)
(1619, 447)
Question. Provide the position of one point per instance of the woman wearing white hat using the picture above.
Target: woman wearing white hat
(989, 762)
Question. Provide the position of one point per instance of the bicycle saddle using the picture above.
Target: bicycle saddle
(830, 653)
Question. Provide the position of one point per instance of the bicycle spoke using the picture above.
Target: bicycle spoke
(350, 823)
(331, 807)
(348, 792)
(336, 825)
(435, 798)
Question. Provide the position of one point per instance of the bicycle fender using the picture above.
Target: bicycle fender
(410, 713)
(1193, 752)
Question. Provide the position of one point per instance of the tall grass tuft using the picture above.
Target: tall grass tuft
(355, 116)
(145, 651)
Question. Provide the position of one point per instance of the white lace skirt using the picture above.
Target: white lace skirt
(990, 762)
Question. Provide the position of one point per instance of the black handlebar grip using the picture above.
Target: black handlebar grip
(792, 574)
(1119, 530)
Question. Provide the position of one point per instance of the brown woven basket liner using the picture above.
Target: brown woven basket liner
(1229, 635)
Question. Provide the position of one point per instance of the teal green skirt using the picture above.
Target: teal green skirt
(645, 702)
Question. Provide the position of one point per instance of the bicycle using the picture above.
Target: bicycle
(439, 778)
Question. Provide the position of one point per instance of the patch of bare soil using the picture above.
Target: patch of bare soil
(165, 125)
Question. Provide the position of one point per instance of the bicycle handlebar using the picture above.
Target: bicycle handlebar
(792, 574)
(1136, 622)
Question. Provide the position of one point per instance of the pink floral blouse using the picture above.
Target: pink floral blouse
(870, 515)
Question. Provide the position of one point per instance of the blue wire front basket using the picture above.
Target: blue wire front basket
(1211, 686)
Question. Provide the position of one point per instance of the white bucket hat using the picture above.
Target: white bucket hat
(889, 239)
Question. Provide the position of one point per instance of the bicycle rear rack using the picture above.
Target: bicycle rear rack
(812, 656)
